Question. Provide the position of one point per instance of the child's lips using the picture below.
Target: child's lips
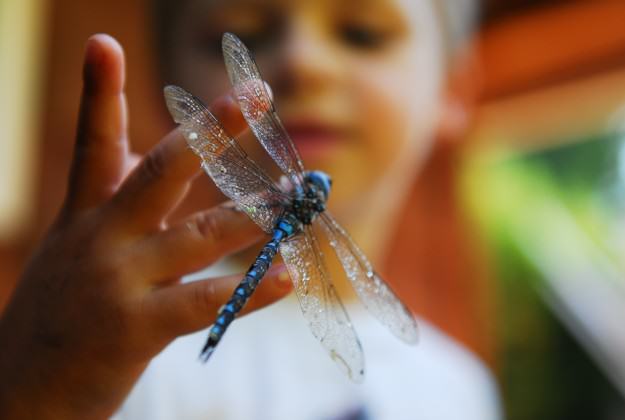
(313, 139)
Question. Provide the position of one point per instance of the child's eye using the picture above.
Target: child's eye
(364, 37)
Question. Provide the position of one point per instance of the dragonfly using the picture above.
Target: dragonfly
(291, 212)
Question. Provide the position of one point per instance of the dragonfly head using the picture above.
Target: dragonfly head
(320, 181)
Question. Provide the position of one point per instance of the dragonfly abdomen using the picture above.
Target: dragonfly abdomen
(285, 227)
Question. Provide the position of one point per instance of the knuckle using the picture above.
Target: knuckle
(206, 225)
(154, 165)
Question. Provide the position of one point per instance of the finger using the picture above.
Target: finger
(161, 179)
(101, 140)
(197, 242)
(185, 308)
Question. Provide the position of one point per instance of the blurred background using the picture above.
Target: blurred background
(533, 200)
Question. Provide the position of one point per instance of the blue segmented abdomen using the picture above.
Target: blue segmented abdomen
(227, 313)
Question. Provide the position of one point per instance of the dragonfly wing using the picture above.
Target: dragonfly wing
(258, 108)
(320, 304)
(375, 294)
(236, 175)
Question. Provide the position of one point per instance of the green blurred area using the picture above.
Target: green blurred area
(538, 210)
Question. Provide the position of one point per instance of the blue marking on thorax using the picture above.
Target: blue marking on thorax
(285, 227)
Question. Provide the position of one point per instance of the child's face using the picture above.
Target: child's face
(356, 83)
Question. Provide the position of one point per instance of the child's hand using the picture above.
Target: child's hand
(102, 296)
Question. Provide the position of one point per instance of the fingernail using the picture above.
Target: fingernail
(280, 275)
(232, 207)
(229, 100)
(235, 218)
(93, 48)
(224, 103)
(97, 66)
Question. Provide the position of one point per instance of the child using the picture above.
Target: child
(359, 89)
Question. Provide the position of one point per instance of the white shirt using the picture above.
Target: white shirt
(268, 366)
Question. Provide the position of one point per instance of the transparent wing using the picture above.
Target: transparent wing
(258, 109)
(236, 175)
(374, 293)
(320, 304)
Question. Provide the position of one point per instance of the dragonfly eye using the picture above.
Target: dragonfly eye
(321, 180)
